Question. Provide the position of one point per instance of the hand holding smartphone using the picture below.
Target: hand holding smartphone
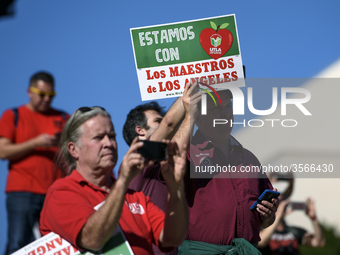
(267, 195)
(153, 150)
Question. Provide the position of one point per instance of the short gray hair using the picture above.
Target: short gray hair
(72, 132)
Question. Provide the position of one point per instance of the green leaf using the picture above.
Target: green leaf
(213, 25)
(224, 25)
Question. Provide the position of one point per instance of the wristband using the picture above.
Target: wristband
(313, 218)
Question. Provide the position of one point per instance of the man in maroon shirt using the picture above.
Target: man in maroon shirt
(219, 207)
(219, 192)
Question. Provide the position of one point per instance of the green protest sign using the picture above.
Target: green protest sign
(170, 55)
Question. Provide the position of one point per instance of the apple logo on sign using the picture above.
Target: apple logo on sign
(216, 41)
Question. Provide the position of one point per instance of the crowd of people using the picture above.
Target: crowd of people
(60, 170)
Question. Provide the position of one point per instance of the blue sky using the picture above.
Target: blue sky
(87, 46)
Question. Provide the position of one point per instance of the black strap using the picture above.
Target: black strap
(63, 115)
(16, 116)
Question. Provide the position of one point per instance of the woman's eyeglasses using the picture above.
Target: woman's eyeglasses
(43, 94)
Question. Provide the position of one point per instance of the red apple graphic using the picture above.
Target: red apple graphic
(216, 41)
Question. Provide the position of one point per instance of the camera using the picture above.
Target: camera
(153, 150)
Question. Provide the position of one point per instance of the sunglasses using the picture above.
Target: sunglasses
(82, 110)
(88, 109)
(42, 94)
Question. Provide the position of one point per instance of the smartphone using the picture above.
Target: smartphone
(297, 206)
(57, 134)
(267, 195)
(153, 150)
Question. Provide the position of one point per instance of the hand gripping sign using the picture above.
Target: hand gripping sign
(53, 244)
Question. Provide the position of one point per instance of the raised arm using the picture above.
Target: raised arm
(102, 224)
(176, 214)
(176, 123)
(190, 100)
(170, 122)
(317, 239)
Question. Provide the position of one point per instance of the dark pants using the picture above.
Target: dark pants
(23, 210)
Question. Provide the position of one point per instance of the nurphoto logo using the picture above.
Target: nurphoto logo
(302, 96)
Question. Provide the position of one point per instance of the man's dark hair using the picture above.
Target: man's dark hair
(136, 117)
(44, 76)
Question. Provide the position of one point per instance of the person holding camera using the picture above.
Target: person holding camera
(146, 122)
(280, 238)
(89, 149)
